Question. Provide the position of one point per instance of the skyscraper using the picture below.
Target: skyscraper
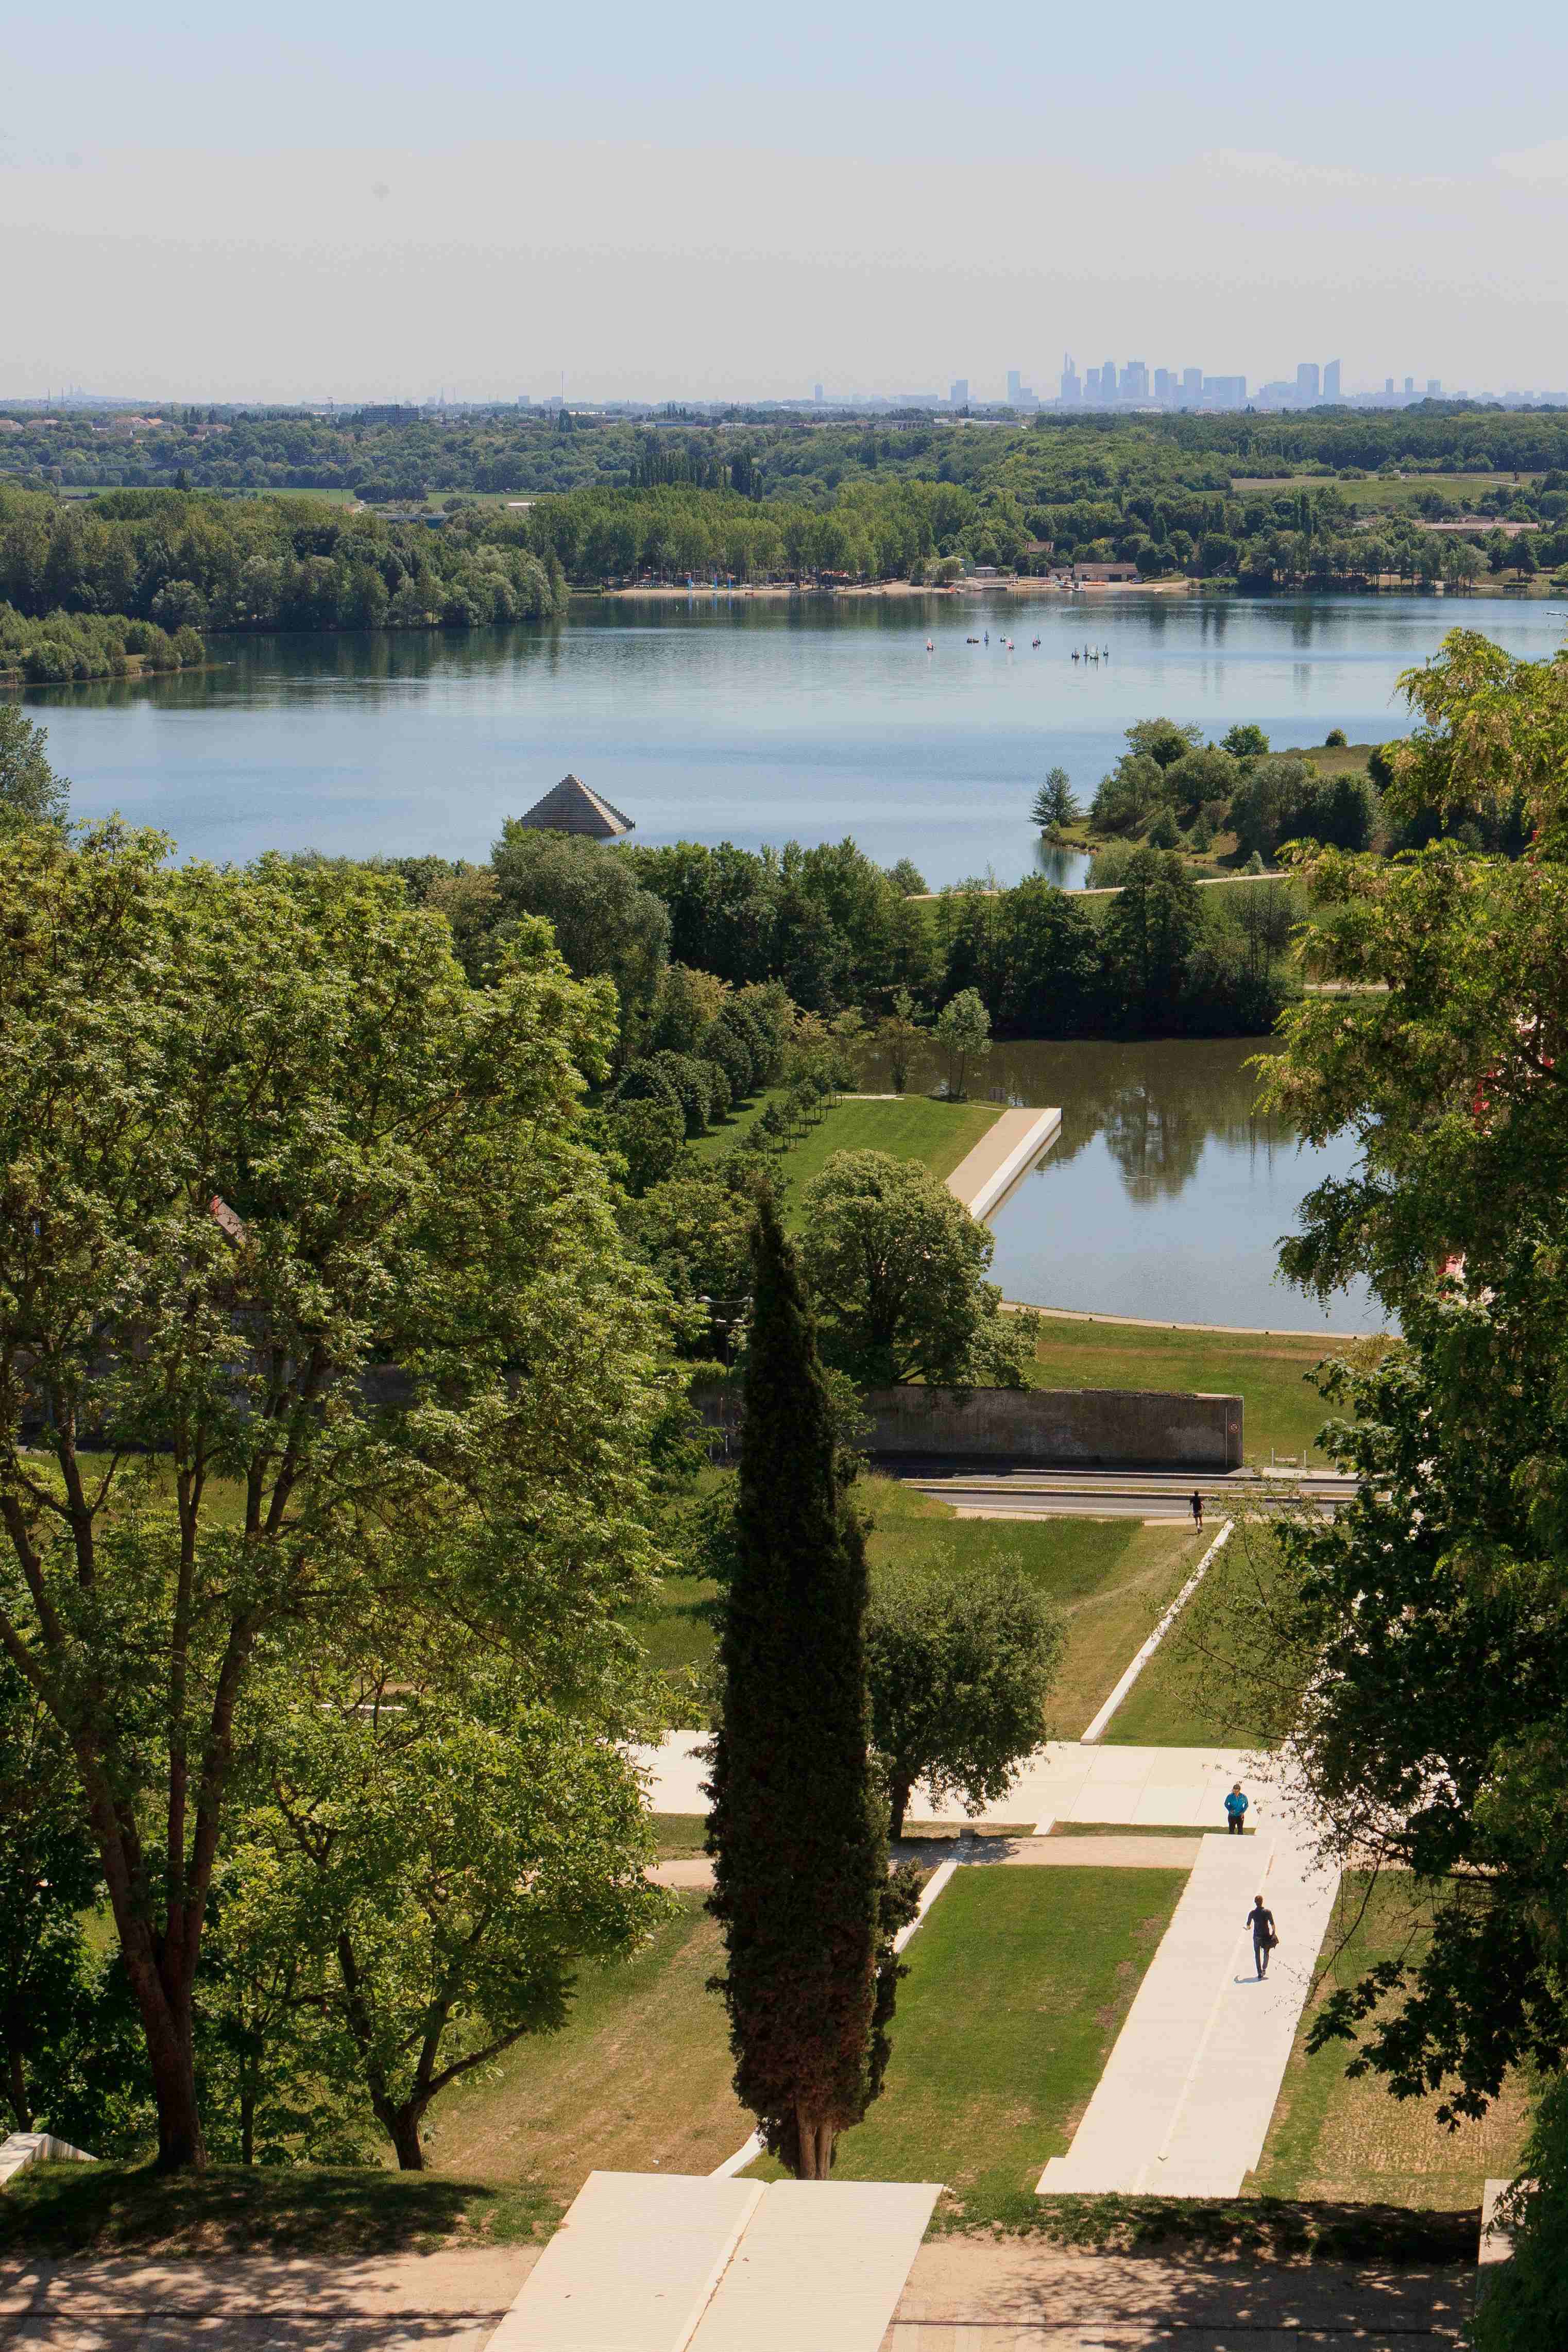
(1135, 380)
(1192, 386)
(816, 393)
(958, 393)
(1388, 387)
(1091, 384)
(1331, 381)
(1434, 386)
(1015, 386)
(1108, 380)
(1165, 384)
(1307, 387)
(1072, 391)
(1409, 387)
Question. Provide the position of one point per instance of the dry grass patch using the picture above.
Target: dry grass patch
(638, 2082)
(1332, 2137)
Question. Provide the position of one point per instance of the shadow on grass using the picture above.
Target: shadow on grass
(111, 2209)
(1273, 2227)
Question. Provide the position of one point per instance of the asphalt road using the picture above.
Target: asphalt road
(1126, 1495)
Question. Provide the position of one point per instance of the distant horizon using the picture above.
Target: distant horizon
(1354, 398)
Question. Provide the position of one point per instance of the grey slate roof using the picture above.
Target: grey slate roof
(570, 807)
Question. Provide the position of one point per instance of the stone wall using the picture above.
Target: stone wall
(1106, 1429)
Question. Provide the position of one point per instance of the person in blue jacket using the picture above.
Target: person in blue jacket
(1235, 1812)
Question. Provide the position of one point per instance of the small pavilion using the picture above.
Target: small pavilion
(570, 807)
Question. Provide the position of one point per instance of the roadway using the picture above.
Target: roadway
(1032, 1493)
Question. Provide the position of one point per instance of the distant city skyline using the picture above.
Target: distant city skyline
(367, 202)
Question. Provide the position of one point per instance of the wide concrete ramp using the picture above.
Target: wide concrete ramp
(633, 2266)
(1184, 2105)
(821, 2264)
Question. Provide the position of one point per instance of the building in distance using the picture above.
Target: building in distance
(570, 807)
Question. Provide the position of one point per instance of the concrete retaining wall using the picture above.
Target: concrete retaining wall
(1099, 1428)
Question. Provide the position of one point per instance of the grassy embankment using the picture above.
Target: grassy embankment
(1018, 1985)
(1109, 1578)
(1332, 2136)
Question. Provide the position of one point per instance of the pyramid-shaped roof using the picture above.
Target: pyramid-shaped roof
(570, 807)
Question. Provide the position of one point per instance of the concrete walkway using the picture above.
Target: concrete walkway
(1146, 1788)
(262, 2303)
(1184, 2105)
(971, 2295)
(653, 2263)
(1000, 1158)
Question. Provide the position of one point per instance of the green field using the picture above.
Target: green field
(1186, 1695)
(638, 2079)
(1334, 2137)
(1018, 1984)
(1110, 1578)
(1269, 1370)
(910, 1127)
(346, 2213)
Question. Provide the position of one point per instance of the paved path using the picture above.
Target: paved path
(262, 2303)
(967, 2295)
(1184, 2106)
(696, 1873)
(1000, 1158)
(1126, 1494)
(659, 2263)
(1146, 1788)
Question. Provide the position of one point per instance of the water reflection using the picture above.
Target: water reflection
(1167, 1192)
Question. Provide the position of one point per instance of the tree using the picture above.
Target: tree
(798, 1825)
(1447, 1064)
(648, 1134)
(896, 1267)
(961, 1666)
(1150, 928)
(48, 1880)
(963, 1033)
(447, 1850)
(1163, 740)
(1245, 743)
(898, 1034)
(1056, 804)
(30, 792)
(336, 1263)
(1199, 777)
(606, 924)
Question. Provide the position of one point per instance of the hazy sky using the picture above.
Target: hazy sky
(383, 201)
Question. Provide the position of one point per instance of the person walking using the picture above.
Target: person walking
(1197, 1510)
(1235, 1812)
(1264, 1938)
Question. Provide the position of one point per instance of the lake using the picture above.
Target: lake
(722, 718)
(1165, 1194)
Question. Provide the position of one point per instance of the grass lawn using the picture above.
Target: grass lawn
(1110, 1578)
(913, 1127)
(1018, 1984)
(1331, 2137)
(638, 2078)
(1185, 1696)
(1268, 1371)
(109, 2208)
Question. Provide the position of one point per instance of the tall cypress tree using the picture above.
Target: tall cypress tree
(798, 1829)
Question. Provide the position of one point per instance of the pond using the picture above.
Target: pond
(1166, 1193)
(746, 719)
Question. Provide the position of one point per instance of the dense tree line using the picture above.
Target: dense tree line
(182, 561)
(905, 498)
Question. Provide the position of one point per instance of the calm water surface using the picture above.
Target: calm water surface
(1167, 1192)
(723, 719)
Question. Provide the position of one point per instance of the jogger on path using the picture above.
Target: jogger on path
(1235, 1812)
